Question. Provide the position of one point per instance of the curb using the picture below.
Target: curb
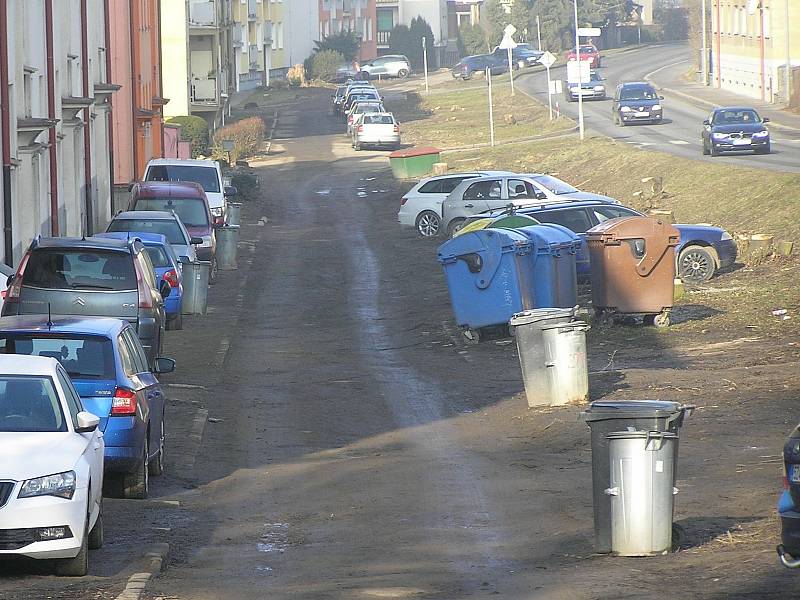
(156, 557)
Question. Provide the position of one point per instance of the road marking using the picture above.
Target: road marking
(222, 353)
(651, 73)
(679, 142)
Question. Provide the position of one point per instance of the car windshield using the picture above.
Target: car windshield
(736, 117)
(168, 228)
(205, 176)
(365, 108)
(554, 184)
(192, 211)
(378, 120)
(638, 93)
(80, 269)
(157, 256)
(82, 356)
(29, 404)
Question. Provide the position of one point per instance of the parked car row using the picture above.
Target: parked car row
(443, 205)
(368, 122)
(82, 412)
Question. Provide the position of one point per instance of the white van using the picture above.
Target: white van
(205, 172)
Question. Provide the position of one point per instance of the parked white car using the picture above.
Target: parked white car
(207, 173)
(376, 129)
(421, 206)
(476, 196)
(51, 479)
(360, 108)
(390, 65)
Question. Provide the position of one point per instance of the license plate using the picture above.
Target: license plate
(741, 142)
(794, 473)
(642, 114)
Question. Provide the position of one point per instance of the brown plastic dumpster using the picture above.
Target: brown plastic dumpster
(633, 268)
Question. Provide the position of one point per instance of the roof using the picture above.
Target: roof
(19, 364)
(62, 324)
(636, 84)
(719, 108)
(195, 162)
(148, 239)
(147, 215)
(90, 242)
(168, 189)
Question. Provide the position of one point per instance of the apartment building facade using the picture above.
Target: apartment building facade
(755, 48)
(359, 16)
(54, 120)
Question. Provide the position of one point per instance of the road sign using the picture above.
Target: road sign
(578, 71)
(509, 30)
(547, 59)
(508, 43)
(589, 31)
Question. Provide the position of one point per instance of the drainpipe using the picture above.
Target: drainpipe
(87, 134)
(134, 105)
(161, 74)
(51, 113)
(5, 120)
(109, 79)
(719, 43)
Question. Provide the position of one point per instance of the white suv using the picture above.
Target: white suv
(421, 206)
(391, 65)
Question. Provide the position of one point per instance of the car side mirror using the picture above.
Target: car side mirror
(130, 186)
(196, 241)
(706, 123)
(230, 190)
(765, 120)
(164, 289)
(87, 422)
(541, 196)
(661, 97)
(164, 365)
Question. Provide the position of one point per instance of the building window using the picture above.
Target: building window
(280, 36)
(385, 19)
(369, 29)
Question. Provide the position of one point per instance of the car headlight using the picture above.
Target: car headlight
(656, 107)
(60, 484)
(719, 136)
(761, 134)
(625, 109)
(599, 88)
(726, 236)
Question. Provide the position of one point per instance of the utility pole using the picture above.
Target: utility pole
(491, 114)
(704, 56)
(425, 60)
(788, 74)
(578, 58)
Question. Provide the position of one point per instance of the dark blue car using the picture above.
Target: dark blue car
(167, 267)
(108, 368)
(789, 502)
(735, 129)
(701, 252)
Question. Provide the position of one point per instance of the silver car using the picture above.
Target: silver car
(360, 108)
(391, 65)
(166, 223)
(376, 129)
(474, 196)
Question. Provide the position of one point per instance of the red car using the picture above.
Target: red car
(588, 52)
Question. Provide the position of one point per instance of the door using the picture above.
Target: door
(482, 195)
(378, 67)
(150, 388)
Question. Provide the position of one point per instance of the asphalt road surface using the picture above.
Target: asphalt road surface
(679, 134)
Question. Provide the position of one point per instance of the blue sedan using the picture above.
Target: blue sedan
(108, 368)
(167, 267)
(701, 252)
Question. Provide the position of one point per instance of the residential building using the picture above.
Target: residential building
(135, 61)
(391, 13)
(54, 125)
(752, 44)
(302, 29)
(336, 16)
(196, 41)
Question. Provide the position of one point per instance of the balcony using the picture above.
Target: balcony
(383, 38)
(202, 13)
(238, 35)
(204, 91)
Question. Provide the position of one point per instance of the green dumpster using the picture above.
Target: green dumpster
(413, 162)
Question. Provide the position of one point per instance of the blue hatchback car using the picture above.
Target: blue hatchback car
(108, 368)
(701, 252)
(167, 268)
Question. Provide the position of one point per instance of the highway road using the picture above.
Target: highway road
(679, 134)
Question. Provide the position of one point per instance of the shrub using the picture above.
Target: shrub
(296, 76)
(194, 130)
(325, 63)
(346, 43)
(247, 136)
(471, 40)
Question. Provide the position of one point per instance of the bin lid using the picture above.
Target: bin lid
(539, 315)
(474, 226)
(488, 244)
(574, 325)
(600, 410)
(632, 435)
(627, 228)
(549, 238)
(415, 151)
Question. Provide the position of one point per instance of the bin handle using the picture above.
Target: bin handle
(786, 559)
(614, 491)
(650, 261)
(655, 436)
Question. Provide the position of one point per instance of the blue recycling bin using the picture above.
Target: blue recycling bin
(489, 275)
(554, 249)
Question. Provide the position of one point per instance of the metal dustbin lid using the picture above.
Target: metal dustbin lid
(653, 440)
(600, 410)
(538, 315)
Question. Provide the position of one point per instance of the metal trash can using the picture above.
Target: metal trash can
(227, 246)
(195, 287)
(642, 490)
(527, 327)
(605, 417)
(566, 362)
(633, 268)
(234, 213)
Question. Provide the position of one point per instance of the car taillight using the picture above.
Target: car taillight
(360, 128)
(143, 290)
(403, 201)
(350, 119)
(397, 128)
(13, 291)
(171, 277)
(219, 220)
(123, 402)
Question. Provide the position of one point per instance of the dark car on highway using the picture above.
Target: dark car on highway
(702, 249)
(521, 57)
(636, 102)
(735, 129)
(469, 65)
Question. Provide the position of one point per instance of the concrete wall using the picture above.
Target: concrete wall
(175, 61)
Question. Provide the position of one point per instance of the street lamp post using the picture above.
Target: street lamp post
(704, 56)
(578, 58)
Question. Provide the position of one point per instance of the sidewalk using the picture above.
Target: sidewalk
(671, 81)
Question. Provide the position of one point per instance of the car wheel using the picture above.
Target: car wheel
(97, 534)
(137, 484)
(713, 151)
(157, 464)
(696, 264)
(454, 226)
(357, 146)
(467, 76)
(428, 223)
(402, 73)
(705, 149)
(78, 566)
(764, 150)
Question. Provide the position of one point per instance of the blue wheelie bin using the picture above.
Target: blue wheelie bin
(490, 277)
(554, 266)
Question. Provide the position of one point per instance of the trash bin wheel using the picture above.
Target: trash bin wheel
(660, 320)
